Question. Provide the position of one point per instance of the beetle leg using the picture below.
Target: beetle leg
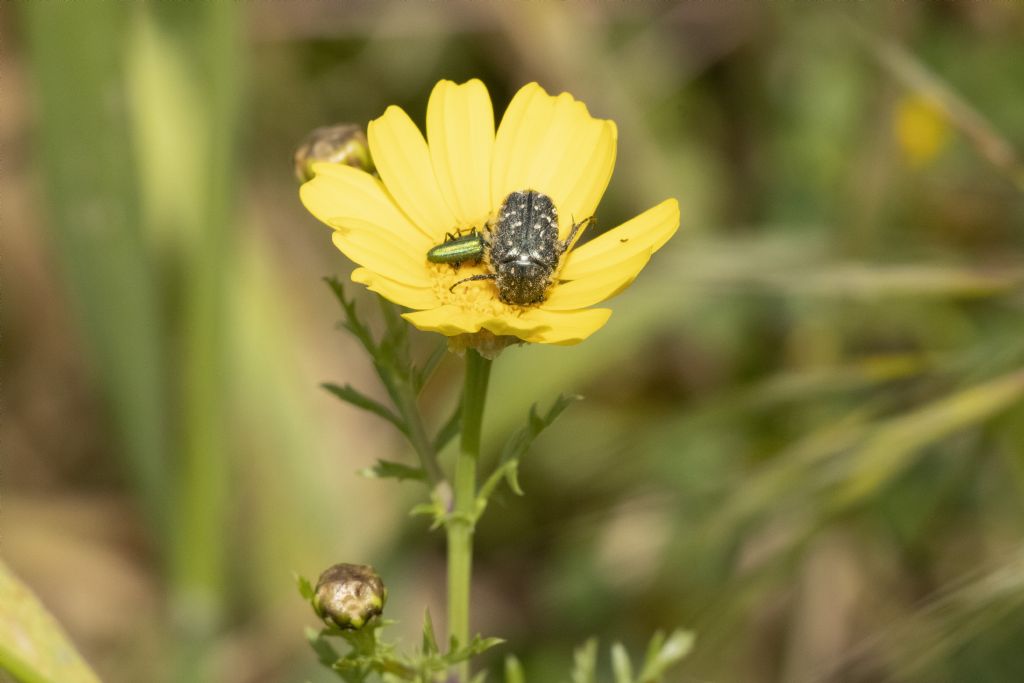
(484, 276)
(567, 244)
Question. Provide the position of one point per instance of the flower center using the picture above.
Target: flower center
(479, 296)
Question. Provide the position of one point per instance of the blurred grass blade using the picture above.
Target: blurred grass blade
(76, 63)
(33, 646)
(184, 74)
(889, 449)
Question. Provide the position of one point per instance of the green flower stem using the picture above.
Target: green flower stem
(462, 522)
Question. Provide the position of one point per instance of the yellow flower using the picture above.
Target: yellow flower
(458, 182)
(922, 129)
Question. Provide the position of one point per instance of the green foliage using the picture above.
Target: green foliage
(584, 668)
(661, 654)
(369, 658)
(385, 469)
(33, 646)
(359, 400)
(814, 378)
(517, 445)
(402, 379)
(506, 469)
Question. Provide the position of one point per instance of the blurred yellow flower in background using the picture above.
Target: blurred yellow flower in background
(922, 129)
(458, 182)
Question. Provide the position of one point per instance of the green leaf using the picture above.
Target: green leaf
(429, 639)
(305, 586)
(662, 654)
(351, 395)
(521, 441)
(510, 473)
(325, 652)
(621, 666)
(480, 677)
(33, 646)
(436, 508)
(585, 662)
(385, 469)
(352, 323)
(476, 646)
(514, 670)
(393, 349)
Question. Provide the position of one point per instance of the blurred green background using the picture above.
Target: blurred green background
(803, 433)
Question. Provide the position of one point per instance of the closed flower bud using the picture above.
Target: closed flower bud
(349, 595)
(344, 143)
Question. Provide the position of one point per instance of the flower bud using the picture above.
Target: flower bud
(349, 595)
(344, 143)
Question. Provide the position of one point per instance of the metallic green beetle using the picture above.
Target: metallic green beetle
(458, 249)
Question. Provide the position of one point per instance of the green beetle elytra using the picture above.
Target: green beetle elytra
(458, 249)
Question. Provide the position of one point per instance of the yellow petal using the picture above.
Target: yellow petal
(403, 161)
(397, 292)
(518, 133)
(587, 180)
(448, 320)
(339, 194)
(535, 325)
(553, 145)
(460, 130)
(644, 234)
(564, 327)
(373, 249)
(597, 286)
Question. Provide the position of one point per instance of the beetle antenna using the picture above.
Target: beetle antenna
(483, 276)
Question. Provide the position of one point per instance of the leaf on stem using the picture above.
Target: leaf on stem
(521, 441)
(351, 395)
(393, 349)
(429, 639)
(352, 322)
(385, 469)
(437, 508)
(516, 447)
(306, 589)
(476, 646)
(325, 652)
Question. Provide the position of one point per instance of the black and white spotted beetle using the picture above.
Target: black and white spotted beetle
(522, 249)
